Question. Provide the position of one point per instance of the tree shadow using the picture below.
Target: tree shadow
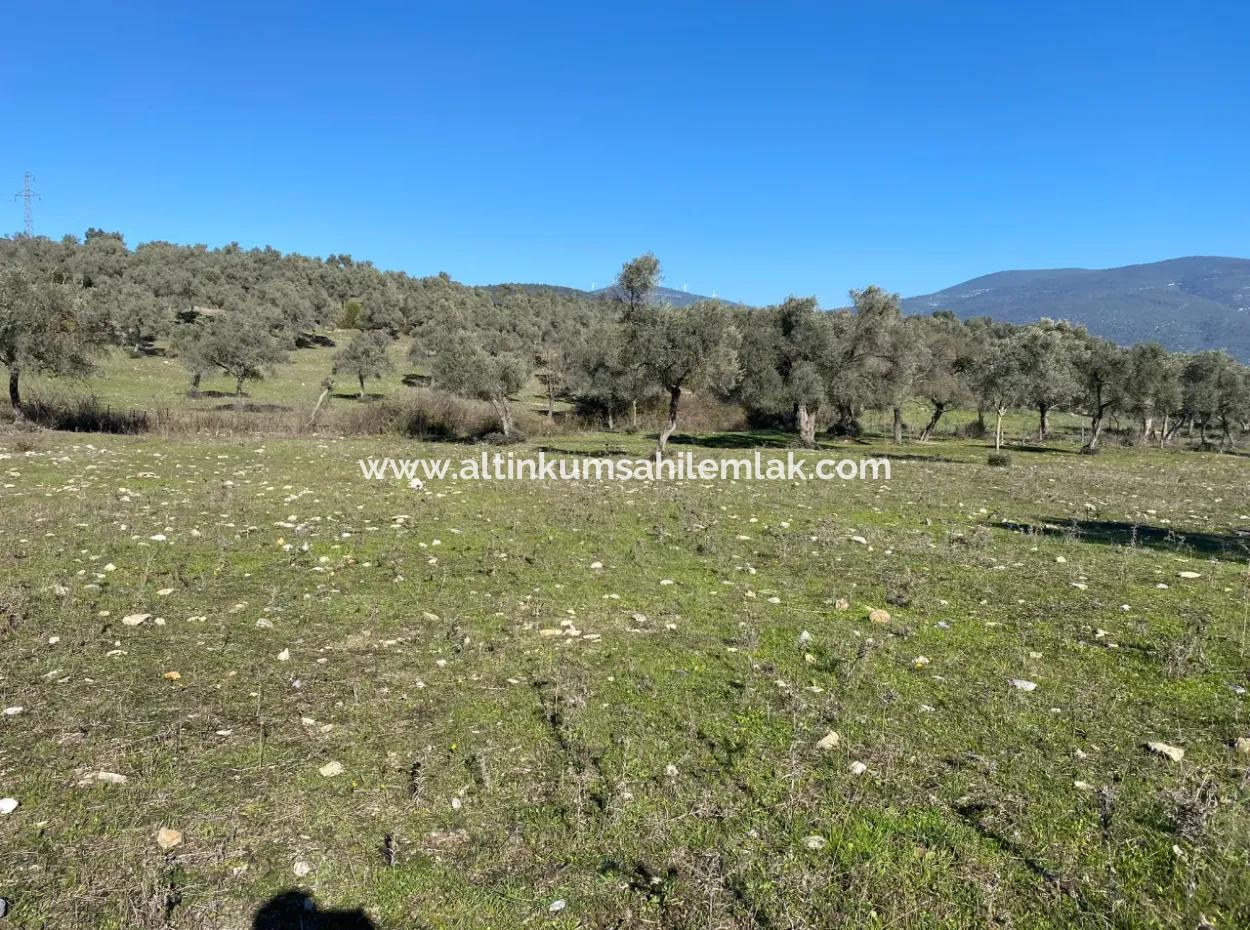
(296, 910)
(1008, 447)
(735, 440)
(1234, 545)
(253, 408)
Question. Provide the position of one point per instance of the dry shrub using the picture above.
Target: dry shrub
(424, 414)
(703, 413)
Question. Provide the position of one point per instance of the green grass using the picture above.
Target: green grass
(512, 768)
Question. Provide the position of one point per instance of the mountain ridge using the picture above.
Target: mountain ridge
(1187, 304)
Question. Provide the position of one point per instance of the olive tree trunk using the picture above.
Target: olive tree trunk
(15, 394)
(927, 433)
(807, 426)
(670, 423)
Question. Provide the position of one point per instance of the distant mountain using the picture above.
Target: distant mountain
(662, 294)
(668, 295)
(1185, 304)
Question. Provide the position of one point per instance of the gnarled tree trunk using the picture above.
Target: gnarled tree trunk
(1043, 421)
(807, 426)
(927, 433)
(898, 424)
(504, 412)
(15, 394)
(670, 423)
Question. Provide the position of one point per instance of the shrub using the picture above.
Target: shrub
(84, 415)
(999, 460)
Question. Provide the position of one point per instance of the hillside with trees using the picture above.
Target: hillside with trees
(239, 314)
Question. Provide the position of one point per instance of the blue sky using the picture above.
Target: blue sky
(759, 149)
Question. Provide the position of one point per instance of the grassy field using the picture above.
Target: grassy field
(582, 705)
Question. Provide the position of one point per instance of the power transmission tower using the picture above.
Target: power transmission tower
(27, 194)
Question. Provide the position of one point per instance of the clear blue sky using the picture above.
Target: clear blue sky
(758, 148)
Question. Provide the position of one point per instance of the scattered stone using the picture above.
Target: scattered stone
(13, 711)
(557, 906)
(331, 769)
(8, 805)
(829, 741)
(301, 868)
(1242, 745)
(135, 619)
(841, 604)
(815, 842)
(173, 676)
(1022, 684)
(879, 616)
(858, 768)
(920, 662)
(1189, 575)
(284, 655)
(167, 838)
(108, 778)
(1175, 753)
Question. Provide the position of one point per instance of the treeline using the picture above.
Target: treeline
(793, 366)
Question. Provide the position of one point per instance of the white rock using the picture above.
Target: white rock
(109, 778)
(8, 805)
(13, 711)
(135, 619)
(1189, 575)
(814, 842)
(168, 838)
(557, 906)
(1022, 684)
(1175, 753)
(284, 655)
(331, 769)
(301, 869)
(857, 768)
(829, 741)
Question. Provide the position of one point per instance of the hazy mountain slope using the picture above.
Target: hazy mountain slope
(1184, 303)
(662, 294)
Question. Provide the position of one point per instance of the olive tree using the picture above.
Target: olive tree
(683, 349)
(1153, 390)
(1047, 354)
(238, 344)
(782, 354)
(604, 379)
(1102, 375)
(462, 366)
(366, 356)
(636, 282)
(44, 329)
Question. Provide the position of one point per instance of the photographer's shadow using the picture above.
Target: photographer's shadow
(296, 910)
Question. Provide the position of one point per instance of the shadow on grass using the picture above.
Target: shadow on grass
(1235, 545)
(1007, 447)
(736, 440)
(296, 910)
(249, 407)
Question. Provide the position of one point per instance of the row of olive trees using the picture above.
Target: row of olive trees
(799, 367)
